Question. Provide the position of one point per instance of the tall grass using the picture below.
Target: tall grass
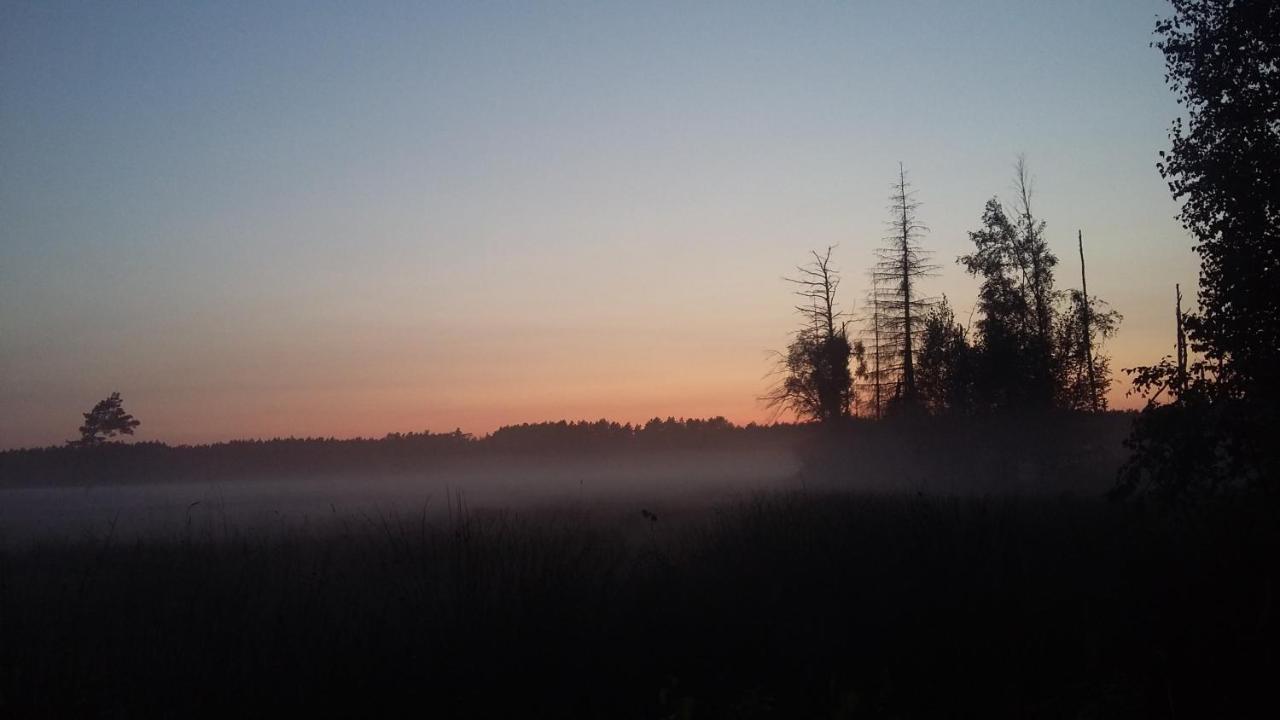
(795, 605)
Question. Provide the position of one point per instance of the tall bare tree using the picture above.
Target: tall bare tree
(900, 264)
(1086, 336)
(1180, 379)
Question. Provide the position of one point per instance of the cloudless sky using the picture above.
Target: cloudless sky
(267, 218)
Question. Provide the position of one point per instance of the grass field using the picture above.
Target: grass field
(788, 605)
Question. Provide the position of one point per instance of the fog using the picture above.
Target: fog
(673, 482)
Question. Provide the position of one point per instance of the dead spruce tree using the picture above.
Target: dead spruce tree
(900, 306)
(817, 381)
(879, 379)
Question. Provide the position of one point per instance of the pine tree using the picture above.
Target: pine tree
(106, 420)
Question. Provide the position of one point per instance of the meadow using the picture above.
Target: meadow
(813, 600)
(786, 605)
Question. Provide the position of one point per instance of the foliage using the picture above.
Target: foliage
(1007, 377)
(818, 383)
(1079, 386)
(1035, 264)
(945, 366)
(106, 420)
(1029, 352)
(817, 380)
(1180, 452)
(1222, 61)
(1017, 300)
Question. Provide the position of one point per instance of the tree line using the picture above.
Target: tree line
(395, 452)
(1213, 406)
(1031, 347)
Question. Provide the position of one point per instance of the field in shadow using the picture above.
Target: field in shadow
(797, 604)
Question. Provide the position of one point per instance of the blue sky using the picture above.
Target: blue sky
(339, 218)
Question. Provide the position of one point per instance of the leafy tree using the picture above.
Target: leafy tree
(1084, 371)
(1183, 450)
(1222, 60)
(1223, 63)
(944, 369)
(817, 381)
(1035, 264)
(106, 420)
(1007, 373)
(1031, 352)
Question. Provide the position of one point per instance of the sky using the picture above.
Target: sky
(336, 219)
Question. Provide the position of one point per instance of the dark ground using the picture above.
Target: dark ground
(801, 605)
(964, 571)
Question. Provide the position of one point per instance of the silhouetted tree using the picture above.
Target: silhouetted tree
(944, 371)
(1180, 379)
(878, 375)
(1035, 264)
(899, 306)
(1022, 353)
(106, 420)
(1221, 61)
(1005, 328)
(1084, 371)
(817, 381)
(1086, 330)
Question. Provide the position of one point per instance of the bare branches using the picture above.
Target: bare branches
(900, 264)
(1023, 186)
(817, 282)
(816, 382)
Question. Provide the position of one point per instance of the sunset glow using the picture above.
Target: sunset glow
(313, 221)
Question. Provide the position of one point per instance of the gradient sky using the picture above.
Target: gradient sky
(266, 218)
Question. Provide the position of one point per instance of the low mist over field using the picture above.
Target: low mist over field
(672, 467)
(662, 482)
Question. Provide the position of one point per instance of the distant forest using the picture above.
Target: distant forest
(1023, 452)
(395, 452)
